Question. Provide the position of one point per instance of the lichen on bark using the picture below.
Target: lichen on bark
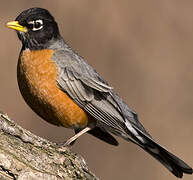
(24, 155)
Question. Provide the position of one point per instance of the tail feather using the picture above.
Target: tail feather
(104, 136)
(170, 161)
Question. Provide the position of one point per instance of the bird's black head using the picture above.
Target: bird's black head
(35, 27)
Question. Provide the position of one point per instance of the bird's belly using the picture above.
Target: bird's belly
(37, 79)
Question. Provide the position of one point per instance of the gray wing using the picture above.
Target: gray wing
(85, 86)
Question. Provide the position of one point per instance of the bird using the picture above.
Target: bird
(63, 89)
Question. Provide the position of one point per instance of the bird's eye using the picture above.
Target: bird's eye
(35, 25)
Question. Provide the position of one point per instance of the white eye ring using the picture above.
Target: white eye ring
(37, 24)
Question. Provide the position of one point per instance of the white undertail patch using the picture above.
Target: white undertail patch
(133, 131)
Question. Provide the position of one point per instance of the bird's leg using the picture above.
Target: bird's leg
(77, 135)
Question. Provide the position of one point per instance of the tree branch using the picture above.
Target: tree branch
(24, 155)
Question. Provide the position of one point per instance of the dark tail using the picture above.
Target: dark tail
(104, 136)
(170, 161)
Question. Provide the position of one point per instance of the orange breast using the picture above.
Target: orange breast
(37, 75)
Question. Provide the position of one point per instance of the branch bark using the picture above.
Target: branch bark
(25, 156)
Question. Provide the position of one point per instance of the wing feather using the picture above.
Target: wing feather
(86, 87)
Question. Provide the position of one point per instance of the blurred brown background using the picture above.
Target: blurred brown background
(144, 50)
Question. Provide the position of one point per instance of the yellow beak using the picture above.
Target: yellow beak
(15, 25)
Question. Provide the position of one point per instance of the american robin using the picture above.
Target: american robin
(64, 90)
